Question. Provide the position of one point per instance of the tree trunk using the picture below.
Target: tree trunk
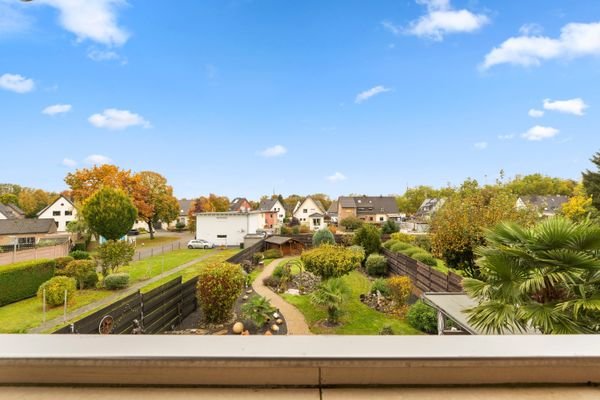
(151, 229)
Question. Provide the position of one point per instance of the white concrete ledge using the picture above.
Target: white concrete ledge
(298, 360)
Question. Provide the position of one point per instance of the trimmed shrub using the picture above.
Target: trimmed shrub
(84, 272)
(351, 223)
(78, 247)
(304, 229)
(390, 227)
(323, 236)
(257, 257)
(330, 261)
(295, 229)
(62, 262)
(411, 251)
(422, 317)
(359, 251)
(113, 254)
(381, 285)
(399, 247)
(403, 237)
(376, 265)
(80, 255)
(423, 241)
(369, 237)
(388, 244)
(55, 290)
(219, 286)
(116, 281)
(273, 253)
(22, 280)
(425, 258)
(400, 289)
(272, 281)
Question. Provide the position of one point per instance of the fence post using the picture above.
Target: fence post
(151, 252)
(65, 308)
(44, 305)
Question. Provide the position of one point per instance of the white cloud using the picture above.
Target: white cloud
(575, 40)
(391, 27)
(336, 177)
(103, 55)
(538, 133)
(97, 159)
(531, 29)
(16, 83)
(509, 136)
(572, 106)
(94, 20)
(481, 145)
(57, 109)
(67, 162)
(114, 119)
(12, 18)
(367, 94)
(441, 19)
(533, 113)
(275, 151)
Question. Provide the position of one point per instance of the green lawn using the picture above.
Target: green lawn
(357, 318)
(26, 314)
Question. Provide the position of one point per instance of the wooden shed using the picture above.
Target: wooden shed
(288, 246)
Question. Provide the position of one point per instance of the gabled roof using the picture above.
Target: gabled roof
(370, 204)
(333, 208)
(546, 203)
(9, 212)
(54, 202)
(429, 206)
(267, 204)
(237, 203)
(184, 206)
(279, 240)
(317, 202)
(315, 215)
(16, 209)
(27, 226)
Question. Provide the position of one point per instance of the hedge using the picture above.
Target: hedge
(376, 265)
(425, 258)
(116, 281)
(398, 247)
(21, 280)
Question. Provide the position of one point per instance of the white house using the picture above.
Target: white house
(275, 206)
(62, 211)
(228, 228)
(310, 212)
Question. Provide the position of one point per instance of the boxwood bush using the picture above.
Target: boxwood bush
(323, 236)
(55, 290)
(398, 247)
(116, 281)
(422, 317)
(80, 255)
(388, 244)
(329, 261)
(21, 280)
(425, 258)
(376, 265)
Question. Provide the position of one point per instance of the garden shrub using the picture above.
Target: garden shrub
(219, 286)
(381, 285)
(273, 253)
(386, 330)
(369, 237)
(422, 317)
(78, 247)
(62, 262)
(295, 230)
(402, 237)
(80, 255)
(425, 258)
(304, 229)
(412, 251)
(84, 272)
(272, 281)
(258, 310)
(376, 265)
(113, 254)
(388, 244)
(390, 227)
(55, 290)
(22, 280)
(116, 281)
(330, 261)
(423, 241)
(398, 247)
(351, 223)
(323, 236)
(400, 289)
(257, 257)
(360, 252)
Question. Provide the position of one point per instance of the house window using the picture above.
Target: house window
(56, 222)
(305, 211)
(316, 221)
(221, 236)
(56, 213)
(68, 212)
(26, 241)
(381, 219)
(370, 218)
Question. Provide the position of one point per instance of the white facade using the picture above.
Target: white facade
(228, 228)
(62, 211)
(305, 213)
(280, 210)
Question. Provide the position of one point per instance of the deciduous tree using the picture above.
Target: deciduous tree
(110, 213)
(161, 204)
(591, 181)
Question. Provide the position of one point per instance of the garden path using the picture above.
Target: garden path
(116, 296)
(296, 324)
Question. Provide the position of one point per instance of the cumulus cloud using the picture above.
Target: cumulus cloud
(97, 159)
(67, 162)
(12, 17)
(441, 19)
(539, 132)
(16, 83)
(367, 94)
(575, 40)
(98, 55)
(573, 106)
(94, 20)
(509, 136)
(115, 119)
(481, 145)
(275, 151)
(533, 113)
(57, 109)
(336, 177)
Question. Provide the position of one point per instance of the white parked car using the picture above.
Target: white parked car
(200, 244)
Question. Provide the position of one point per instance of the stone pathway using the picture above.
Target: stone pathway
(116, 296)
(296, 324)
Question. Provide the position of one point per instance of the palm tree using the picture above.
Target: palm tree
(546, 277)
(258, 310)
(331, 294)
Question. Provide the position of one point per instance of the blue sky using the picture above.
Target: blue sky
(246, 97)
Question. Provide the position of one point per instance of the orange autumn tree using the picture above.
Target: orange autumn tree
(162, 205)
(212, 203)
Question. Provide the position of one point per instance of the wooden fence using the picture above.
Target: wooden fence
(424, 277)
(36, 253)
(247, 253)
(156, 311)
